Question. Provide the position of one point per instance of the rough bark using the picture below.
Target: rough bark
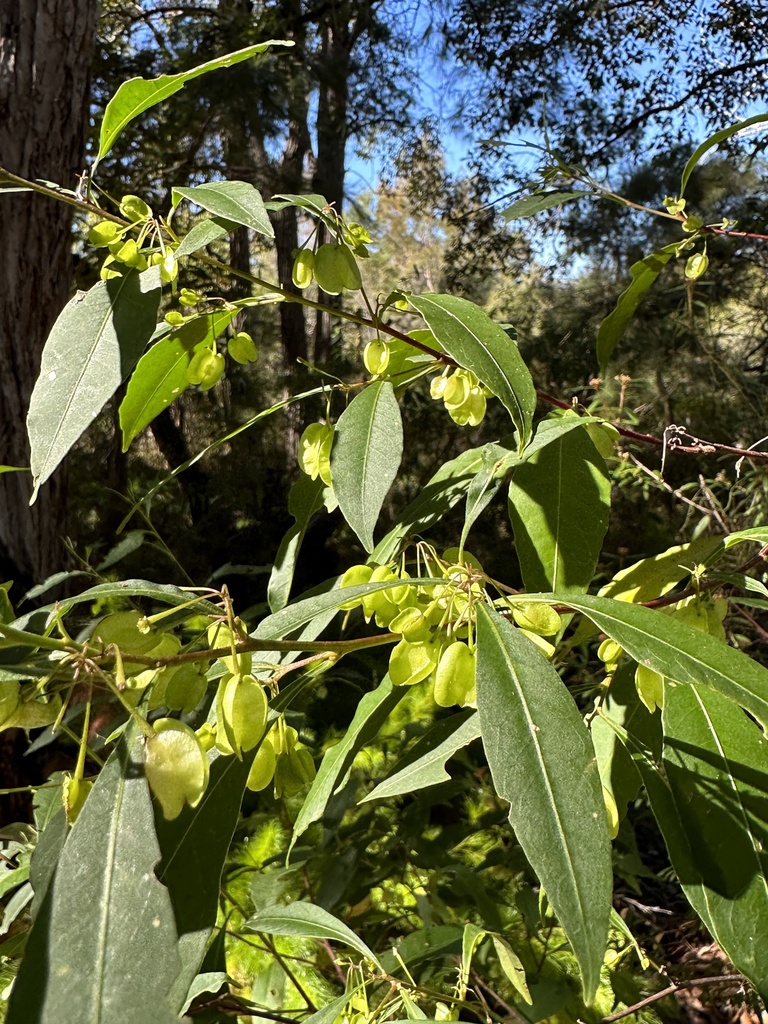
(46, 48)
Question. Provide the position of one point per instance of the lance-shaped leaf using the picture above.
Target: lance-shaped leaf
(674, 649)
(202, 234)
(103, 949)
(372, 711)
(139, 94)
(287, 620)
(715, 140)
(91, 349)
(644, 273)
(161, 374)
(529, 206)
(652, 577)
(308, 921)
(424, 764)
(367, 449)
(716, 763)
(558, 503)
(542, 761)
(478, 344)
(439, 495)
(235, 201)
(306, 497)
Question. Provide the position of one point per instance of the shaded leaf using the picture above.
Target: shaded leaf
(308, 921)
(139, 94)
(424, 764)
(644, 273)
(716, 763)
(512, 966)
(306, 497)
(194, 846)
(529, 206)
(366, 454)
(235, 201)
(372, 711)
(91, 349)
(715, 140)
(161, 374)
(558, 504)
(470, 337)
(104, 940)
(542, 761)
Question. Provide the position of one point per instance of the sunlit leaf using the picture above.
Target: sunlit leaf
(558, 503)
(715, 140)
(424, 764)
(478, 344)
(91, 349)
(372, 711)
(139, 94)
(367, 449)
(235, 201)
(643, 273)
(308, 921)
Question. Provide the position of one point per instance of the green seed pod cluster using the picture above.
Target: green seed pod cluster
(315, 451)
(463, 395)
(435, 622)
(333, 266)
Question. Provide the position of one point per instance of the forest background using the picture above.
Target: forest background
(604, 97)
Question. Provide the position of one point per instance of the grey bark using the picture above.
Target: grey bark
(46, 50)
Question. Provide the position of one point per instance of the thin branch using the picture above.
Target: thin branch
(722, 979)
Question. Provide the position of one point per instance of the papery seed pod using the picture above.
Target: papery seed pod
(263, 767)
(176, 766)
(303, 268)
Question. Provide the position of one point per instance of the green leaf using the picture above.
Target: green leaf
(542, 761)
(438, 496)
(674, 649)
(103, 947)
(430, 943)
(308, 921)
(306, 497)
(512, 966)
(194, 846)
(161, 374)
(14, 469)
(207, 231)
(558, 504)
(284, 622)
(372, 711)
(644, 273)
(653, 577)
(91, 349)
(316, 204)
(424, 764)
(367, 449)
(529, 206)
(716, 764)
(235, 201)
(483, 488)
(139, 94)
(715, 140)
(470, 337)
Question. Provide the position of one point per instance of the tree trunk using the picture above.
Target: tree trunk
(46, 48)
(332, 128)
